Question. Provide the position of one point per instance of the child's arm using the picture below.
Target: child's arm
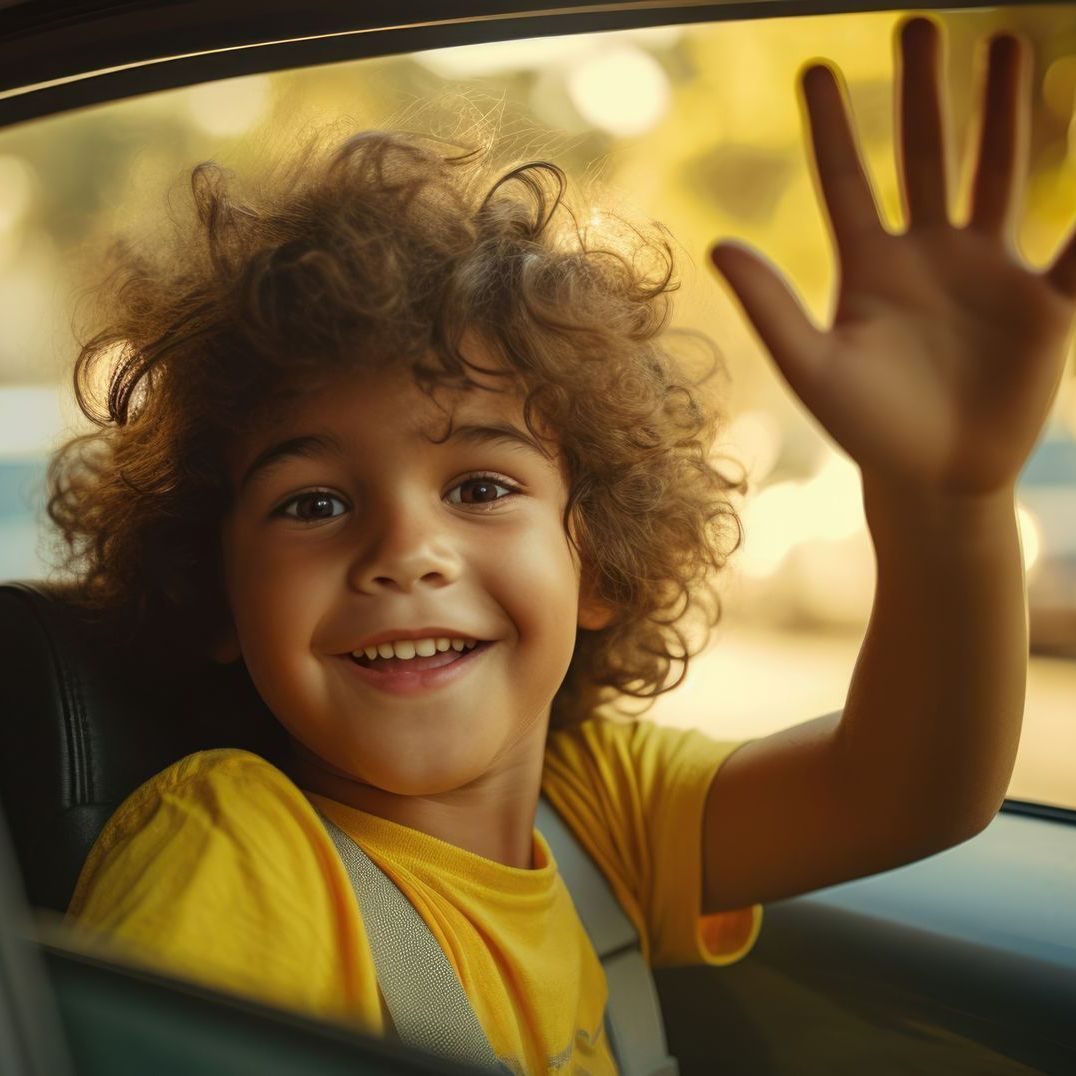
(936, 377)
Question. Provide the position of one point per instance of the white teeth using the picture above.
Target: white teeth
(406, 649)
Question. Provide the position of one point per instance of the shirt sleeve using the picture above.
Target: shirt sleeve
(633, 793)
(218, 870)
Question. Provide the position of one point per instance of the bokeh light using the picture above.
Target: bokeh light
(230, 107)
(623, 91)
(16, 190)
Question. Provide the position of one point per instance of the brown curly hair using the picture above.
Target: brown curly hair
(388, 248)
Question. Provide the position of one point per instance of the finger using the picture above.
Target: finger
(841, 176)
(1062, 274)
(923, 169)
(1003, 137)
(776, 314)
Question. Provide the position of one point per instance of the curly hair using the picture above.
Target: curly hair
(388, 248)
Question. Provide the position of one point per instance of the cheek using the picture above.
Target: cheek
(272, 600)
(276, 616)
(536, 580)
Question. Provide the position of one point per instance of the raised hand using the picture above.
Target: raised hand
(946, 349)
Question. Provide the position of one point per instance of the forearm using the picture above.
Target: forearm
(932, 718)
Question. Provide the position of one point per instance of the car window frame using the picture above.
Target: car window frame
(46, 48)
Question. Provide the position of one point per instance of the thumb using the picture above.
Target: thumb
(778, 317)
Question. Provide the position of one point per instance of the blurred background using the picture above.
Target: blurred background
(698, 127)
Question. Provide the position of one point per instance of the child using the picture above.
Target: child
(528, 514)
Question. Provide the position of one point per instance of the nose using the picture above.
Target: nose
(405, 545)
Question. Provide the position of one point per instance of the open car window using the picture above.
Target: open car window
(697, 126)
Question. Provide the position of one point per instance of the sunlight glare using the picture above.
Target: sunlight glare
(1030, 536)
(230, 107)
(622, 90)
(827, 507)
(16, 190)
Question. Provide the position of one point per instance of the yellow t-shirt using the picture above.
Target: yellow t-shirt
(219, 870)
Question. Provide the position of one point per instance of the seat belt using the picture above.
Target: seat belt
(633, 1013)
(421, 990)
(424, 996)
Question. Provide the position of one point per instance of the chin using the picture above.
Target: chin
(429, 776)
(415, 766)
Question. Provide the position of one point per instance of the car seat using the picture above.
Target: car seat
(84, 721)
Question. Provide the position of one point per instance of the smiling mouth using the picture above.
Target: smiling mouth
(416, 664)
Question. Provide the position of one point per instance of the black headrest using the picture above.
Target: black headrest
(84, 720)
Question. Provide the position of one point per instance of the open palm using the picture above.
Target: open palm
(946, 350)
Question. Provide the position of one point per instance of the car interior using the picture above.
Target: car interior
(961, 963)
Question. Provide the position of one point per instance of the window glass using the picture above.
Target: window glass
(696, 126)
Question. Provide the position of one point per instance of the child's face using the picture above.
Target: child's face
(327, 550)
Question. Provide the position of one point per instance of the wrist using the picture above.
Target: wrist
(917, 515)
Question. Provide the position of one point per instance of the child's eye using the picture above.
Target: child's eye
(484, 487)
(318, 499)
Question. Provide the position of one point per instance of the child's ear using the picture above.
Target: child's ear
(224, 649)
(594, 614)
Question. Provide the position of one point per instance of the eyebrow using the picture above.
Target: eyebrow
(495, 433)
(315, 445)
(308, 446)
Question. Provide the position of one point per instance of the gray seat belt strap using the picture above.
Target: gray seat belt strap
(633, 1014)
(421, 990)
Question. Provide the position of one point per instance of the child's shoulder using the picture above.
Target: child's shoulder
(223, 780)
(598, 731)
(609, 747)
(231, 805)
(607, 727)
(215, 760)
(219, 763)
